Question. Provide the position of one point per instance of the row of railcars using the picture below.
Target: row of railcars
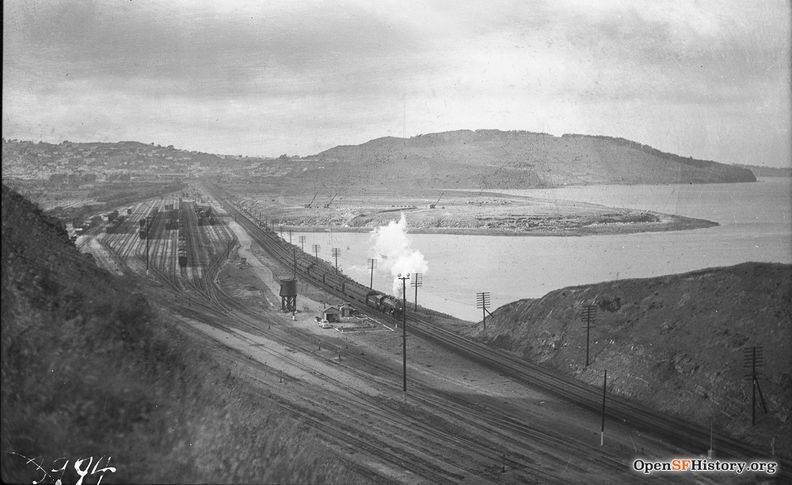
(172, 220)
(147, 223)
(324, 273)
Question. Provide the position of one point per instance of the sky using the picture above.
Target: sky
(708, 79)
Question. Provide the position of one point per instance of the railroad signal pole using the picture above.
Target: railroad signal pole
(302, 243)
(753, 357)
(335, 255)
(290, 236)
(589, 315)
(371, 261)
(404, 328)
(483, 302)
(316, 251)
(415, 283)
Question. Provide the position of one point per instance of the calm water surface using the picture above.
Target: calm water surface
(755, 218)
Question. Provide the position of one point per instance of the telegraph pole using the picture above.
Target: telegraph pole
(290, 236)
(302, 243)
(316, 251)
(602, 430)
(371, 283)
(753, 357)
(335, 255)
(590, 316)
(148, 236)
(404, 328)
(416, 282)
(483, 302)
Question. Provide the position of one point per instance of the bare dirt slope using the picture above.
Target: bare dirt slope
(675, 343)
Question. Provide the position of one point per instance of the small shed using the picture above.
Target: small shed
(331, 314)
(347, 310)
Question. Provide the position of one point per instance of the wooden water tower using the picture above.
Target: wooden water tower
(288, 294)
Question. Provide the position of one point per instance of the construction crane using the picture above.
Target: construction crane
(308, 205)
(432, 206)
(327, 205)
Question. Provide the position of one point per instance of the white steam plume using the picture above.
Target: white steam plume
(392, 248)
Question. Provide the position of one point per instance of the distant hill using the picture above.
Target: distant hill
(761, 171)
(105, 161)
(674, 343)
(482, 159)
(516, 159)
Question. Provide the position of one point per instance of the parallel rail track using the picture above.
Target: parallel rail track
(677, 431)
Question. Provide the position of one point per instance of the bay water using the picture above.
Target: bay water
(755, 225)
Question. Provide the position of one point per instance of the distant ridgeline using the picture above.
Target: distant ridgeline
(515, 159)
(482, 159)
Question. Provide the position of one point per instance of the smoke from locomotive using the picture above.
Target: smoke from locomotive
(392, 248)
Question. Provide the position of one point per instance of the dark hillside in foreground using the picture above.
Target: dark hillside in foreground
(90, 369)
(516, 159)
(674, 343)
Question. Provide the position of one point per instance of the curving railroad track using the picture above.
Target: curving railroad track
(687, 435)
(454, 440)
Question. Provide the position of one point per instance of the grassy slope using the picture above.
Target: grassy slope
(90, 369)
(675, 342)
(498, 159)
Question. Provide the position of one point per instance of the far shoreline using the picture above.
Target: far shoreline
(679, 223)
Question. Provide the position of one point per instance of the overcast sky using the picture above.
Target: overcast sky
(709, 79)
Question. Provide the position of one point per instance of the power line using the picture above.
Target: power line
(483, 302)
(589, 315)
(753, 358)
(404, 328)
(371, 261)
(416, 282)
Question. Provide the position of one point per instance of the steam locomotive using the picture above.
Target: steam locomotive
(320, 272)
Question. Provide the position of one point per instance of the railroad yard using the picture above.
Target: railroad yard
(469, 414)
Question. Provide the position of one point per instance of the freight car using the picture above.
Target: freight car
(182, 251)
(172, 221)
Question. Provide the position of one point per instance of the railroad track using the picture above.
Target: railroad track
(677, 431)
(478, 443)
(523, 448)
(482, 458)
